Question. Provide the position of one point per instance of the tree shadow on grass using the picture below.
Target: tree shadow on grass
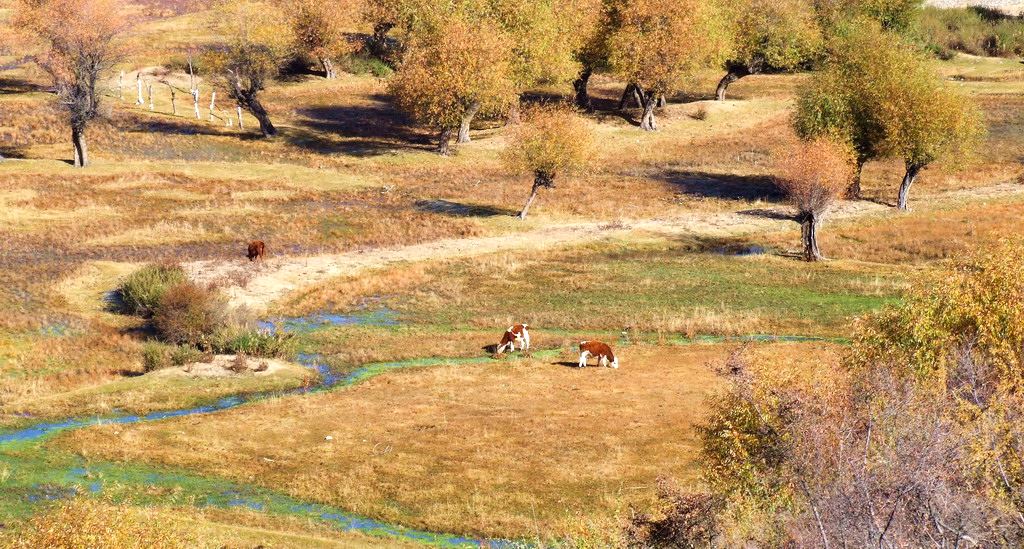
(726, 186)
(769, 213)
(365, 130)
(458, 209)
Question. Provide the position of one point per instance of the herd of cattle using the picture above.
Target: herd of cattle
(517, 334)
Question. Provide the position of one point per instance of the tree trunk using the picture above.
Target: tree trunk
(662, 102)
(241, 125)
(81, 150)
(809, 231)
(328, 68)
(648, 100)
(908, 180)
(630, 93)
(539, 180)
(853, 191)
(467, 120)
(723, 84)
(174, 105)
(444, 142)
(257, 110)
(379, 39)
(580, 85)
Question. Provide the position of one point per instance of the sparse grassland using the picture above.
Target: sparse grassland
(523, 448)
(519, 449)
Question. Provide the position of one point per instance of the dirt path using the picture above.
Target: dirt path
(280, 276)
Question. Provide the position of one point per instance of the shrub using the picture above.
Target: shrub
(83, 522)
(361, 64)
(155, 356)
(142, 290)
(974, 30)
(255, 343)
(189, 314)
(688, 520)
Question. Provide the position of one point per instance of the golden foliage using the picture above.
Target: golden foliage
(552, 140)
(445, 73)
(658, 44)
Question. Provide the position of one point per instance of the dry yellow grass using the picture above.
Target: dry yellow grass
(504, 449)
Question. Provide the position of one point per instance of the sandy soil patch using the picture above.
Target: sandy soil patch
(227, 366)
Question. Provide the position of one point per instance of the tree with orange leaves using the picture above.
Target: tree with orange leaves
(813, 174)
(78, 44)
(656, 45)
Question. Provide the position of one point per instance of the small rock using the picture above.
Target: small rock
(328, 438)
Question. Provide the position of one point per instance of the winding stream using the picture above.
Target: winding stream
(61, 480)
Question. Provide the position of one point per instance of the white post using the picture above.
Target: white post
(138, 86)
(241, 126)
(195, 102)
(149, 86)
(213, 99)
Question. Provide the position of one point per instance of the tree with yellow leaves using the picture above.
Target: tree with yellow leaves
(319, 26)
(552, 141)
(453, 72)
(657, 45)
(770, 36)
(256, 45)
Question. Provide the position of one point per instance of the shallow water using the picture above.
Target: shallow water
(258, 500)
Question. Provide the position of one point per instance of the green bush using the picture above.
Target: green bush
(364, 64)
(254, 343)
(189, 314)
(142, 290)
(155, 356)
(974, 30)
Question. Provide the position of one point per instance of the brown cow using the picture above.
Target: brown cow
(599, 350)
(257, 249)
(517, 333)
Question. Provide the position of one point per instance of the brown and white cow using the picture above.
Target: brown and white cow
(517, 333)
(256, 250)
(601, 351)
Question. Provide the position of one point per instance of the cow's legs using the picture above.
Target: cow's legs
(583, 359)
(602, 361)
(526, 341)
(501, 348)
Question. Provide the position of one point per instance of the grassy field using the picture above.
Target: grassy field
(684, 234)
(511, 449)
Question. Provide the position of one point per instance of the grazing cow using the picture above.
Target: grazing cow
(256, 250)
(599, 350)
(515, 334)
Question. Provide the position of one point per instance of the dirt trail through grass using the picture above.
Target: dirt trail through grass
(282, 275)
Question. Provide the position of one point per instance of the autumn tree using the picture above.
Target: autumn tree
(770, 36)
(592, 48)
(657, 45)
(319, 28)
(813, 174)
(449, 75)
(931, 121)
(256, 45)
(552, 141)
(879, 93)
(913, 439)
(78, 45)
